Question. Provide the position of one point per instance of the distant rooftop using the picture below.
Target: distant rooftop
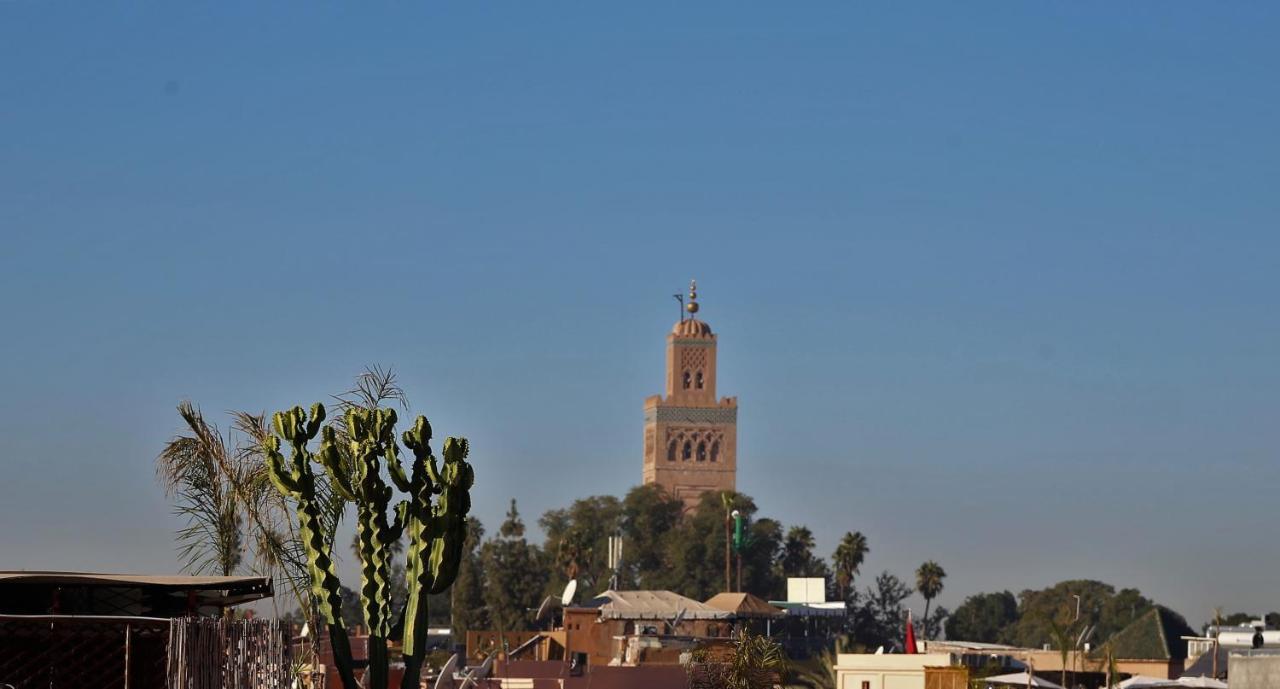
(651, 605)
(1156, 635)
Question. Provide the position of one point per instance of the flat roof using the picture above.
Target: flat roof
(223, 591)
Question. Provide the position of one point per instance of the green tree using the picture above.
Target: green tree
(983, 617)
(929, 578)
(932, 624)
(649, 517)
(515, 575)
(578, 540)
(1237, 618)
(1100, 605)
(798, 559)
(694, 550)
(467, 601)
(879, 618)
(761, 574)
(848, 558)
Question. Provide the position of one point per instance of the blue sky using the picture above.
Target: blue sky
(994, 281)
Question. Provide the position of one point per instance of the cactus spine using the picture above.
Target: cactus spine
(295, 480)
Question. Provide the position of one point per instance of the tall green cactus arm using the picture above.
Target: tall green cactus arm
(331, 459)
(396, 531)
(283, 422)
(384, 426)
(317, 418)
(450, 516)
(372, 436)
(298, 482)
(436, 534)
(284, 480)
(395, 468)
(419, 436)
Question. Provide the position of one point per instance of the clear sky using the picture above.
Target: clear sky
(994, 282)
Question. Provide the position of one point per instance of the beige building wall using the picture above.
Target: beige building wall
(690, 436)
(890, 671)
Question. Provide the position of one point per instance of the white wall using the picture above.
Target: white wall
(894, 671)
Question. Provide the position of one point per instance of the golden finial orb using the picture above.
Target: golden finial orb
(692, 306)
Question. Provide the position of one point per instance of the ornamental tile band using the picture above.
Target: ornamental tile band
(692, 415)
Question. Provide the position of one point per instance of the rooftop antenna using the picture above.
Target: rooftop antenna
(615, 560)
(1085, 635)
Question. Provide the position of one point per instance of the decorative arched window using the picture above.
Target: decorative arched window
(699, 380)
(715, 451)
(686, 380)
(702, 452)
(688, 450)
(671, 451)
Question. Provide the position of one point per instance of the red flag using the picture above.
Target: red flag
(910, 645)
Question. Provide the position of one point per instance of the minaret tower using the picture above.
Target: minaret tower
(690, 437)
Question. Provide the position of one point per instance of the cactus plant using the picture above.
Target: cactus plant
(295, 480)
(436, 531)
(372, 438)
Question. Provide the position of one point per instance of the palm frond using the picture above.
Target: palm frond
(192, 470)
(373, 387)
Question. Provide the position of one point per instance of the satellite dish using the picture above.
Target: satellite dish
(570, 589)
(479, 673)
(445, 679)
(880, 651)
(544, 610)
(306, 631)
(675, 621)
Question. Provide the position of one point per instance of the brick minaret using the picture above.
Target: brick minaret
(690, 437)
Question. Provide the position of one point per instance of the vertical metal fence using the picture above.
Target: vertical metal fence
(207, 653)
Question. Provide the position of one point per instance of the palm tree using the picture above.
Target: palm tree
(929, 583)
(204, 479)
(848, 557)
(220, 485)
(758, 662)
(797, 553)
(1061, 636)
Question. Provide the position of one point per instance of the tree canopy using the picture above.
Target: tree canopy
(983, 617)
(1043, 616)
